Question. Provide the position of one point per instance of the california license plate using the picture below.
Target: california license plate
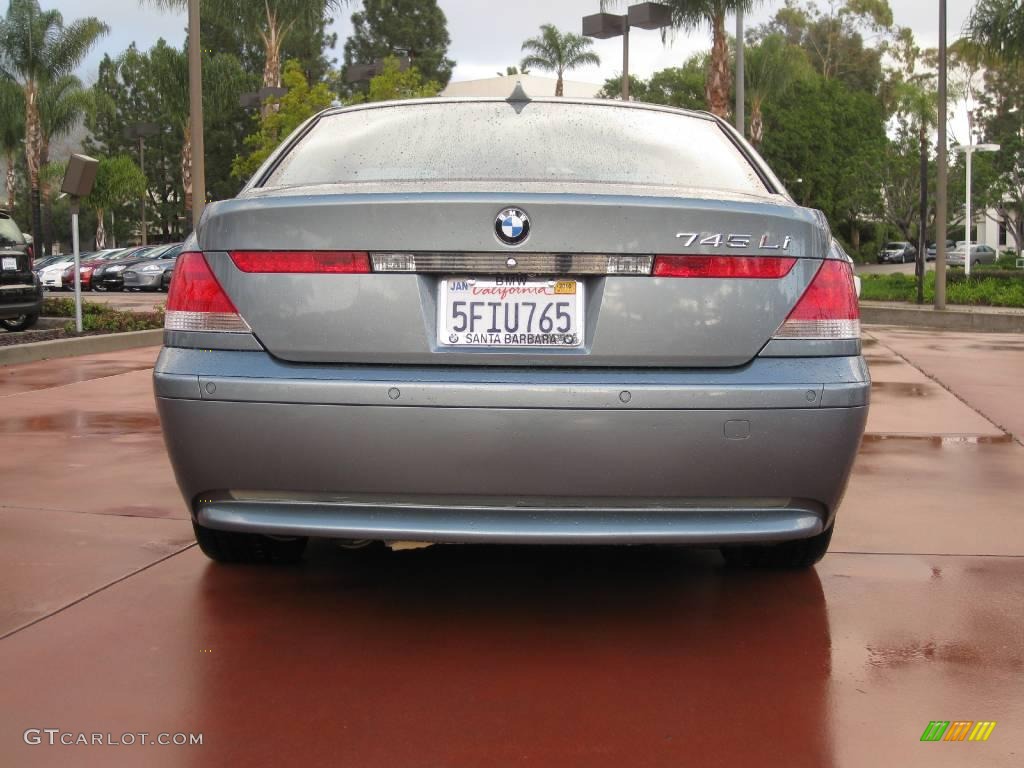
(510, 311)
(10, 262)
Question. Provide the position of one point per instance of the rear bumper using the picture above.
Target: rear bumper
(18, 301)
(355, 452)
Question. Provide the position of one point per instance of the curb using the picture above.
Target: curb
(85, 345)
(942, 320)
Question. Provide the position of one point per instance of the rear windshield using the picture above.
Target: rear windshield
(543, 142)
(9, 232)
(894, 246)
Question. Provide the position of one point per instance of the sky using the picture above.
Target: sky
(487, 34)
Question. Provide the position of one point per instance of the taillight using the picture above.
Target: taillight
(196, 301)
(302, 262)
(762, 267)
(828, 309)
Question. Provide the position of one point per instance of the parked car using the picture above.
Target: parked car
(899, 251)
(933, 249)
(87, 263)
(980, 254)
(21, 295)
(154, 274)
(107, 277)
(629, 333)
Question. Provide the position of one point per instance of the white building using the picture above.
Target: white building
(534, 85)
(990, 229)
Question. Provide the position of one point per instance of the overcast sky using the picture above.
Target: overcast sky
(487, 34)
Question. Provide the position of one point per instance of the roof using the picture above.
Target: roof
(534, 85)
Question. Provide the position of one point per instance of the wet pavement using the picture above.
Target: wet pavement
(478, 656)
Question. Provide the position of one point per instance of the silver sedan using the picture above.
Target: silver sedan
(513, 320)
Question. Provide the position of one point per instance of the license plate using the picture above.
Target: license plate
(10, 262)
(511, 311)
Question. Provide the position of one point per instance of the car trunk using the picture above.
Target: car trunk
(627, 320)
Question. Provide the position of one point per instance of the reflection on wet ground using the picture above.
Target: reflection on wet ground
(47, 374)
(469, 656)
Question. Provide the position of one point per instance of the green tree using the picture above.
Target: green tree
(118, 180)
(998, 26)
(694, 14)
(394, 83)
(836, 38)
(294, 108)
(773, 66)
(827, 143)
(63, 102)
(12, 132)
(558, 52)
(417, 28)
(513, 70)
(675, 86)
(36, 47)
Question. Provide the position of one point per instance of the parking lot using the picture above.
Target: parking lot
(111, 619)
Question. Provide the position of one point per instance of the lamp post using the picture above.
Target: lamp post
(78, 180)
(969, 150)
(140, 131)
(360, 73)
(195, 102)
(741, 118)
(255, 99)
(940, 170)
(642, 15)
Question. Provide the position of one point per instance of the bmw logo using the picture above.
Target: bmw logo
(512, 226)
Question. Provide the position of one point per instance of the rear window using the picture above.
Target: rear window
(894, 246)
(9, 232)
(543, 142)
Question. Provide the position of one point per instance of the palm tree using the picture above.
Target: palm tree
(772, 68)
(271, 20)
(63, 103)
(509, 71)
(998, 26)
(118, 180)
(556, 52)
(12, 132)
(35, 48)
(694, 14)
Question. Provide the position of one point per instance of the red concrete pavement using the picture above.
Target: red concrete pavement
(475, 656)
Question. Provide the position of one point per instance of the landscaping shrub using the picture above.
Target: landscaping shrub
(1006, 290)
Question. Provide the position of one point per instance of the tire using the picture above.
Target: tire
(248, 548)
(21, 323)
(801, 553)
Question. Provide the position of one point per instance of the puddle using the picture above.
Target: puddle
(904, 388)
(79, 422)
(938, 441)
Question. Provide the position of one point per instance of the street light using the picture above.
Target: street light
(255, 99)
(642, 15)
(140, 131)
(358, 73)
(969, 150)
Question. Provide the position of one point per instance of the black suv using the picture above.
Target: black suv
(21, 295)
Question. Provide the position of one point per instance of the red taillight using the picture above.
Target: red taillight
(828, 309)
(196, 301)
(302, 262)
(762, 267)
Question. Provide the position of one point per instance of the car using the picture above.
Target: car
(980, 254)
(543, 320)
(21, 295)
(932, 250)
(899, 252)
(107, 277)
(154, 274)
(87, 263)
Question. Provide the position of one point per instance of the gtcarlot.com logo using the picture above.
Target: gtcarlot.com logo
(55, 736)
(958, 730)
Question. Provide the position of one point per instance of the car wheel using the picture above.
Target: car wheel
(802, 553)
(20, 323)
(234, 547)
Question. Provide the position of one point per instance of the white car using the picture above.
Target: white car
(50, 276)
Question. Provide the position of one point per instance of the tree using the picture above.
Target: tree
(63, 103)
(834, 38)
(998, 26)
(675, 86)
(12, 132)
(694, 14)
(394, 83)
(271, 22)
(416, 28)
(35, 48)
(554, 51)
(772, 68)
(513, 70)
(294, 108)
(118, 180)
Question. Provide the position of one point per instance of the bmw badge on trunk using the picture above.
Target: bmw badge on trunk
(512, 226)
